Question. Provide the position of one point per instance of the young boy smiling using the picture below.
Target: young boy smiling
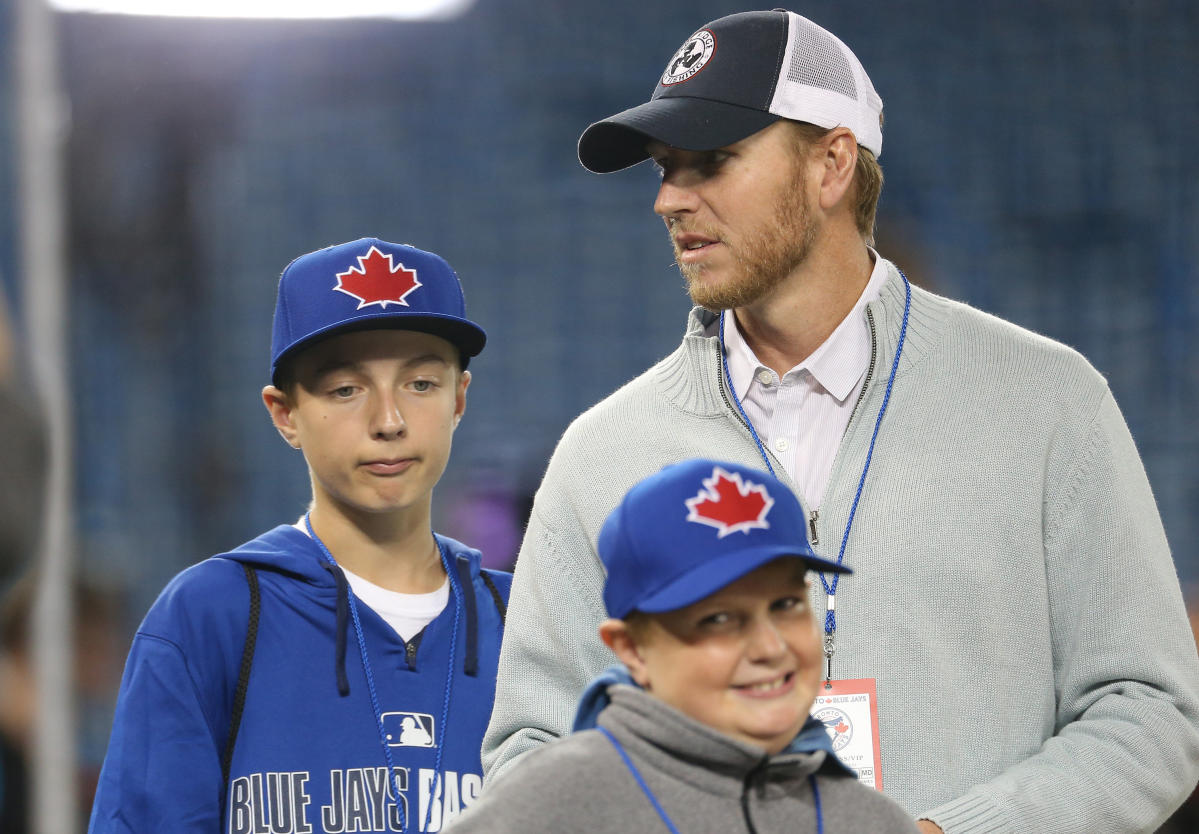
(276, 687)
(705, 727)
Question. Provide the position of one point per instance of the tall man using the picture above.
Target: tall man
(1013, 627)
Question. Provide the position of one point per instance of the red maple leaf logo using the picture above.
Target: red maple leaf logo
(729, 504)
(376, 280)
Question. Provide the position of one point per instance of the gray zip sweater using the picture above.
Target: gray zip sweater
(703, 780)
(1013, 595)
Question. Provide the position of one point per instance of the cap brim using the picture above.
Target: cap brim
(465, 335)
(693, 124)
(710, 577)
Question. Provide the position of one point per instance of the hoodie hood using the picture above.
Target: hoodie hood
(285, 549)
(288, 550)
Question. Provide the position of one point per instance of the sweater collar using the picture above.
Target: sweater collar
(691, 377)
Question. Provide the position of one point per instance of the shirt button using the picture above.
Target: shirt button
(781, 444)
(765, 377)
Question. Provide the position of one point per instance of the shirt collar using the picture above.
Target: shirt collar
(840, 361)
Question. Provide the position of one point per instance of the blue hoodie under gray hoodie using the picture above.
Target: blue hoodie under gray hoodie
(309, 754)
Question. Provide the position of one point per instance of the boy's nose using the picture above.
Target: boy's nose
(387, 421)
(766, 641)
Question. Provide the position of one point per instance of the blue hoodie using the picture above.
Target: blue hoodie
(309, 755)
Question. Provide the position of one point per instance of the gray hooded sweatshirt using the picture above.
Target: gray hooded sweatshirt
(704, 781)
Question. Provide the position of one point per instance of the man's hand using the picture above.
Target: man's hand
(928, 827)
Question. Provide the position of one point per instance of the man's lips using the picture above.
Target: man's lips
(693, 240)
(388, 466)
(690, 246)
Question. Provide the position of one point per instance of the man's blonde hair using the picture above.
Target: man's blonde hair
(867, 177)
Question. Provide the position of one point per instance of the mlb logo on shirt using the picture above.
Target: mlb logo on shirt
(408, 729)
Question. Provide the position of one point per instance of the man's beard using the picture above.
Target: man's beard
(762, 259)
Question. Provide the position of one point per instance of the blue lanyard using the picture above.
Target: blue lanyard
(830, 588)
(658, 806)
(370, 679)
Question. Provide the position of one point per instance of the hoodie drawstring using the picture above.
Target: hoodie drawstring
(470, 664)
(343, 606)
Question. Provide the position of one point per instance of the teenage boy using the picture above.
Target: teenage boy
(275, 687)
(706, 726)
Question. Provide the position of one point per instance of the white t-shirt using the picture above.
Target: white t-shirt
(408, 614)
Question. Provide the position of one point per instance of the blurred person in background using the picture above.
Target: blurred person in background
(17, 704)
(96, 663)
(22, 458)
(22, 478)
(1014, 626)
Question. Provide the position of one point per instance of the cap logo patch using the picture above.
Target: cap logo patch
(690, 59)
(376, 280)
(730, 504)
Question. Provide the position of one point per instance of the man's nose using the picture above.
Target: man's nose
(674, 198)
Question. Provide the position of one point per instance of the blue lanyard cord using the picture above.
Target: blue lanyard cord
(370, 678)
(816, 802)
(724, 357)
(640, 781)
(830, 620)
(449, 677)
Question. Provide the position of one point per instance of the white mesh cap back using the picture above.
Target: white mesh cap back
(822, 82)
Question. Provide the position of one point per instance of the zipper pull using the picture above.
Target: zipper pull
(812, 526)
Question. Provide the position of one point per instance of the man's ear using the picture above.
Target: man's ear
(617, 637)
(281, 410)
(840, 159)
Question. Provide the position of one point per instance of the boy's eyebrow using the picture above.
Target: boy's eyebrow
(428, 357)
(330, 365)
(338, 363)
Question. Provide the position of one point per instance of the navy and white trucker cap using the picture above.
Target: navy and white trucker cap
(736, 76)
(367, 284)
(694, 527)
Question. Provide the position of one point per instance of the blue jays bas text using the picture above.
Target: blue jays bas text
(359, 800)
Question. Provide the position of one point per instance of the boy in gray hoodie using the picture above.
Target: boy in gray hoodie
(705, 726)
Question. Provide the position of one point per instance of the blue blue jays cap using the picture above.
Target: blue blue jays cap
(368, 284)
(694, 527)
(734, 77)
